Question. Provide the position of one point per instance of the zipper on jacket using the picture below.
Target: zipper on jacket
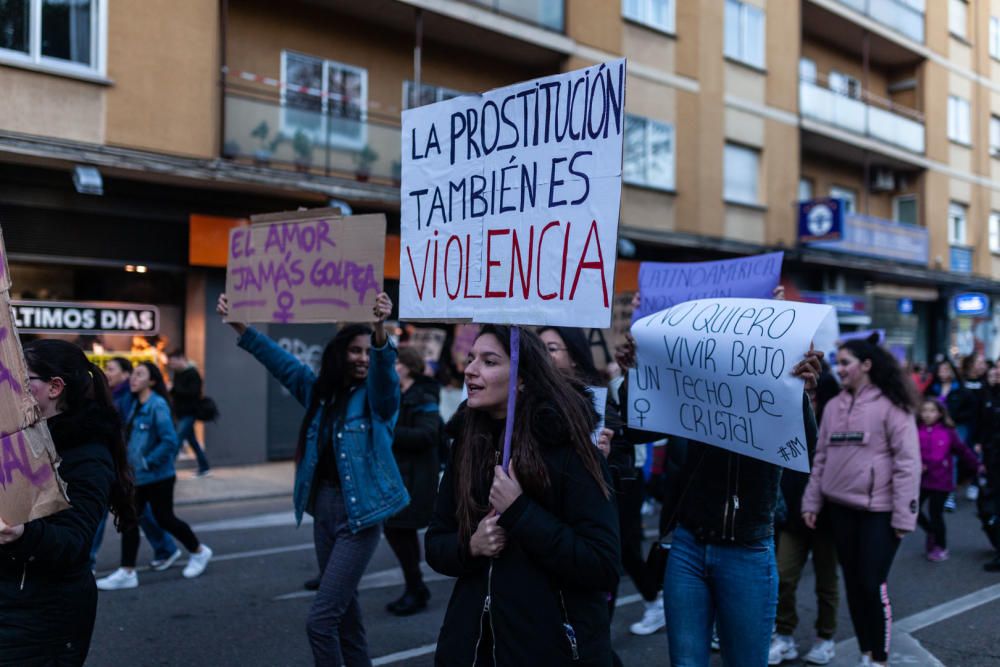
(736, 502)
(486, 610)
(729, 479)
(24, 575)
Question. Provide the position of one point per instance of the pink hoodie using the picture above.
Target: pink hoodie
(867, 457)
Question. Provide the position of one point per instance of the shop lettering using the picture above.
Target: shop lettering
(71, 318)
(16, 459)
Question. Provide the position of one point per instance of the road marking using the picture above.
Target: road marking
(217, 558)
(270, 520)
(942, 612)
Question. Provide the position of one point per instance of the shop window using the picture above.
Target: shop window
(958, 120)
(325, 99)
(995, 232)
(657, 14)
(904, 209)
(957, 224)
(744, 33)
(958, 18)
(849, 195)
(58, 34)
(649, 153)
(429, 94)
(741, 170)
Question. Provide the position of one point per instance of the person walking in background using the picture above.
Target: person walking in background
(118, 370)
(962, 404)
(152, 447)
(186, 394)
(345, 473)
(988, 445)
(415, 445)
(940, 446)
(866, 476)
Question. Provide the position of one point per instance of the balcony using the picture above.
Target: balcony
(871, 116)
(904, 16)
(548, 14)
(355, 145)
(868, 236)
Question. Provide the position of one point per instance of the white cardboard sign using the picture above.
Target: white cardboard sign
(510, 202)
(720, 371)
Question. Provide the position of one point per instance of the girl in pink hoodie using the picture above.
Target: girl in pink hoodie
(939, 444)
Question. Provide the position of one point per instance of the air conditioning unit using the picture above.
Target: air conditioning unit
(883, 180)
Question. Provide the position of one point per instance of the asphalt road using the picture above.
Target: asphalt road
(249, 608)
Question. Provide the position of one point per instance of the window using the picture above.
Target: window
(957, 224)
(904, 209)
(61, 34)
(740, 174)
(958, 18)
(744, 39)
(657, 14)
(325, 99)
(807, 70)
(805, 189)
(958, 120)
(995, 232)
(845, 84)
(649, 153)
(995, 37)
(429, 94)
(995, 136)
(849, 195)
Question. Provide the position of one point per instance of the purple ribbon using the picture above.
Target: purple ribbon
(515, 353)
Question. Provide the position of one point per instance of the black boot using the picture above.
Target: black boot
(312, 584)
(411, 603)
(993, 565)
(391, 607)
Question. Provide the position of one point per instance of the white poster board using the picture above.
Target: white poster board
(510, 202)
(720, 371)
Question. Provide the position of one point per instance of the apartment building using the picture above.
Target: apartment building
(133, 135)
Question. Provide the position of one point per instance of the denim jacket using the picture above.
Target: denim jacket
(152, 440)
(369, 478)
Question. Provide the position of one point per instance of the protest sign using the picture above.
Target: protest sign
(666, 284)
(510, 202)
(719, 371)
(18, 409)
(305, 266)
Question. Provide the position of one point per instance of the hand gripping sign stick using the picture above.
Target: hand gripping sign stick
(515, 348)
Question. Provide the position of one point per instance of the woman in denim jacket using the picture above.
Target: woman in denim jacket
(152, 447)
(345, 476)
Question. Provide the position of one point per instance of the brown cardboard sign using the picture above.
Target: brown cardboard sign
(305, 266)
(18, 409)
(29, 486)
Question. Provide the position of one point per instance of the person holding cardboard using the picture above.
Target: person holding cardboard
(345, 476)
(48, 601)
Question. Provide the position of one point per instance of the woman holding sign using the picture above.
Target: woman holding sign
(535, 551)
(866, 476)
(48, 601)
(345, 475)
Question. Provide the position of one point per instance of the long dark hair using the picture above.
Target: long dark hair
(159, 384)
(86, 388)
(547, 399)
(885, 373)
(578, 350)
(333, 382)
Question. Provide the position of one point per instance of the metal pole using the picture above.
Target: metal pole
(417, 58)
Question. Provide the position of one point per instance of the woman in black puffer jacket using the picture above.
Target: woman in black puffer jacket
(48, 599)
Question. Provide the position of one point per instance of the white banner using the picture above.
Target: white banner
(720, 371)
(510, 202)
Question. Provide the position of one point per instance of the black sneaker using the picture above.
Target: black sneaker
(311, 584)
(409, 604)
(993, 565)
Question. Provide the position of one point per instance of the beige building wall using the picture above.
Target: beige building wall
(51, 106)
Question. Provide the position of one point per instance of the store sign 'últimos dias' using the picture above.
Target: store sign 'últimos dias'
(86, 317)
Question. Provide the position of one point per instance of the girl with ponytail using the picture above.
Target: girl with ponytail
(48, 600)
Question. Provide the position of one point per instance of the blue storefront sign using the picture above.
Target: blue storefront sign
(821, 219)
(885, 239)
(844, 304)
(906, 306)
(961, 259)
(971, 304)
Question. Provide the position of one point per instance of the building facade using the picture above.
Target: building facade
(134, 135)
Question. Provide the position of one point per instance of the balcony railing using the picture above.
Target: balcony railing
(549, 14)
(894, 125)
(904, 16)
(274, 135)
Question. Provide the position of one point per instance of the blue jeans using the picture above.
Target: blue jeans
(735, 587)
(185, 431)
(163, 545)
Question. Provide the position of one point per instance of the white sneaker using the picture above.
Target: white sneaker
(972, 492)
(161, 565)
(822, 652)
(865, 661)
(118, 580)
(653, 619)
(716, 644)
(782, 648)
(197, 562)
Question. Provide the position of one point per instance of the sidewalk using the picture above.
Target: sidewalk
(266, 480)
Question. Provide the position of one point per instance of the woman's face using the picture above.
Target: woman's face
(357, 357)
(557, 350)
(45, 392)
(115, 374)
(979, 366)
(487, 376)
(140, 380)
(930, 413)
(853, 373)
(944, 373)
(402, 371)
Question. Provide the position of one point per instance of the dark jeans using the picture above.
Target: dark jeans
(733, 586)
(631, 493)
(336, 633)
(793, 552)
(935, 524)
(405, 543)
(185, 432)
(163, 545)
(866, 546)
(159, 496)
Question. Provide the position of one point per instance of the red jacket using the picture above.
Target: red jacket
(938, 444)
(867, 457)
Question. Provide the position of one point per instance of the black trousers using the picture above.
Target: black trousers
(934, 524)
(160, 496)
(866, 546)
(405, 543)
